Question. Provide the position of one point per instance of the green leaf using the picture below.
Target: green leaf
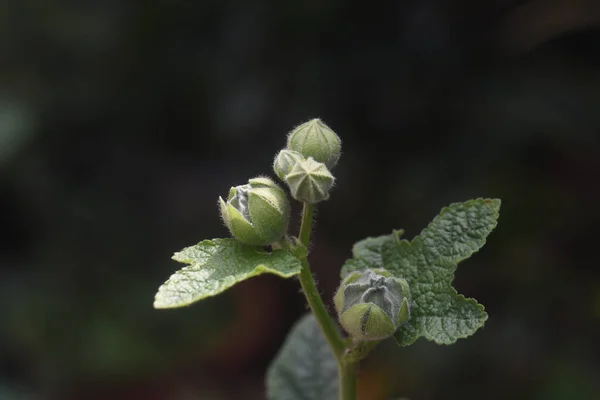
(216, 265)
(428, 263)
(367, 254)
(305, 368)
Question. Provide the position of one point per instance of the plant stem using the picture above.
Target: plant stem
(347, 368)
(347, 380)
(318, 308)
(307, 222)
(312, 293)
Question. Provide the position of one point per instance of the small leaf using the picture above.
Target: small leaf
(428, 263)
(366, 254)
(305, 368)
(216, 265)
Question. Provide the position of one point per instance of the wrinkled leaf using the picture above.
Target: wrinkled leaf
(216, 265)
(305, 368)
(428, 263)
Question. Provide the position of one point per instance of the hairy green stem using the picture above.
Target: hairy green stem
(313, 297)
(318, 308)
(307, 222)
(347, 368)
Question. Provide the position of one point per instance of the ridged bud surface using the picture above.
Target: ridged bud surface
(257, 213)
(372, 304)
(285, 162)
(315, 139)
(309, 181)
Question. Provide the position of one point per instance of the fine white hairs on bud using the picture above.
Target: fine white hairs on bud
(317, 140)
(310, 181)
(257, 213)
(285, 161)
(372, 304)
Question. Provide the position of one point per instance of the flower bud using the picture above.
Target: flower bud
(309, 181)
(257, 213)
(315, 139)
(285, 162)
(372, 304)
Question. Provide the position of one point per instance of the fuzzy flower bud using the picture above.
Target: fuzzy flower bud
(309, 181)
(315, 139)
(257, 213)
(372, 304)
(285, 162)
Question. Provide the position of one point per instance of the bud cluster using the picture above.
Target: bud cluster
(258, 213)
(312, 150)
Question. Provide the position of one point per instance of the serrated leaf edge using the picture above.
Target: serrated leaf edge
(177, 256)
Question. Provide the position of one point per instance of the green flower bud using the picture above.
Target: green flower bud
(315, 139)
(257, 213)
(285, 162)
(309, 181)
(372, 304)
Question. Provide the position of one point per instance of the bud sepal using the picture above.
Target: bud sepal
(310, 181)
(257, 213)
(372, 304)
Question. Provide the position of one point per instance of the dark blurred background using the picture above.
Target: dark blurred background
(121, 122)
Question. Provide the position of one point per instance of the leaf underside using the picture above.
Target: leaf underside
(428, 262)
(216, 265)
(305, 368)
